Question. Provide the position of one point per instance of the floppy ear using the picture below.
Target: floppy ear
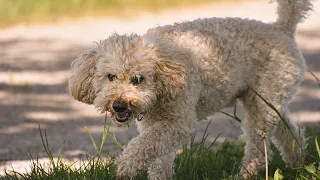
(170, 79)
(83, 71)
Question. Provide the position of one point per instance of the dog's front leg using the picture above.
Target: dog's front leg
(157, 141)
(161, 168)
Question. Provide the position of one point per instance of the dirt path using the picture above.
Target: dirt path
(35, 63)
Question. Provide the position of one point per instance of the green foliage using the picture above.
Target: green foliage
(200, 162)
(278, 175)
(196, 161)
(13, 11)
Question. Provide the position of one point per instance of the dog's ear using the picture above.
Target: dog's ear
(81, 80)
(170, 79)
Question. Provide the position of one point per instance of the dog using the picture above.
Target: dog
(175, 75)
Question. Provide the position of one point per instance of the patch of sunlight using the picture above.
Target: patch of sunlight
(38, 46)
(308, 44)
(85, 109)
(22, 166)
(306, 117)
(99, 129)
(49, 116)
(304, 92)
(74, 153)
(39, 100)
(52, 100)
(4, 94)
(21, 128)
(33, 77)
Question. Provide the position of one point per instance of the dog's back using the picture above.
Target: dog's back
(229, 52)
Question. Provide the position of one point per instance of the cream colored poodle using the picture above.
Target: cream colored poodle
(175, 75)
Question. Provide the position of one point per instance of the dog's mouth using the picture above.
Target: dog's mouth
(124, 116)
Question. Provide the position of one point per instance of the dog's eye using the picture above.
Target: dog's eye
(111, 77)
(137, 79)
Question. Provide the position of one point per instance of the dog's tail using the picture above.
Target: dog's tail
(292, 12)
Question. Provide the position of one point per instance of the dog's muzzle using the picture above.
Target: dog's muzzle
(123, 113)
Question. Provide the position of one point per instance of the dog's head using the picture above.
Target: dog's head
(126, 76)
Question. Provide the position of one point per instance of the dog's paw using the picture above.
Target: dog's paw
(126, 167)
(134, 159)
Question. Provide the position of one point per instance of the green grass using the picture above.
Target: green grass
(196, 161)
(26, 11)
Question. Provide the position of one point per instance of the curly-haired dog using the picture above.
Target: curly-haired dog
(175, 75)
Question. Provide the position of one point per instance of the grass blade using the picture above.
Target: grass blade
(116, 142)
(105, 133)
(214, 141)
(317, 146)
(235, 117)
(60, 152)
(45, 144)
(314, 76)
(93, 142)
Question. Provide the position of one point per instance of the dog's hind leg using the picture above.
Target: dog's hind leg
(289, 139)
(161, 168)
(262, 119)
(275, 79)
(259, 120)
(277, 87)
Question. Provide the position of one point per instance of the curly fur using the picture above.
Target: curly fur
(83, 70)
(191, 70)
(292, 12)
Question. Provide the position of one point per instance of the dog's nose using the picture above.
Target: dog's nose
(119, 106)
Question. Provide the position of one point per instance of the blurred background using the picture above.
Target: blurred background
(40, 38)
